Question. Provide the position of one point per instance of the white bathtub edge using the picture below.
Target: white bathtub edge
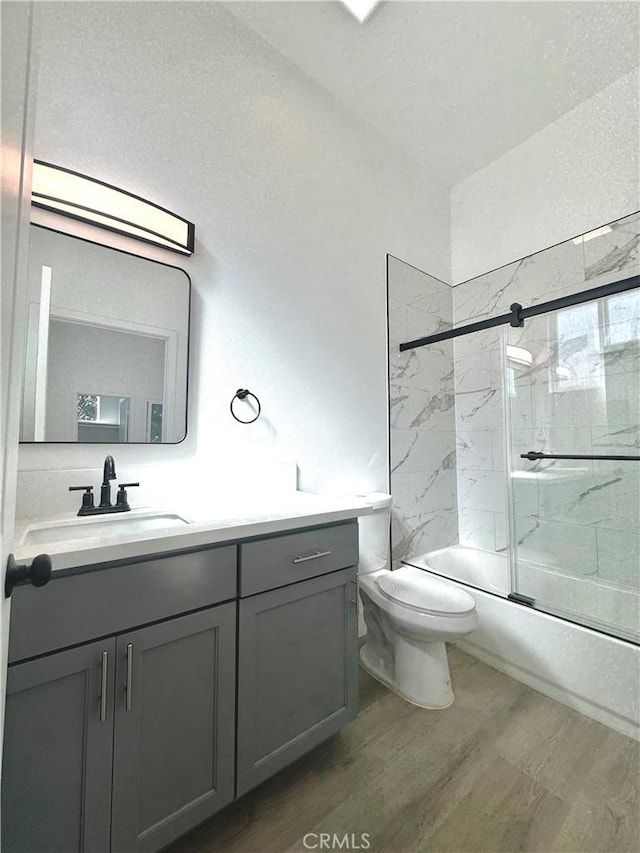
(591, 672)
(553, 690)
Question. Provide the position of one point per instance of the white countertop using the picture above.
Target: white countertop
(234, 520)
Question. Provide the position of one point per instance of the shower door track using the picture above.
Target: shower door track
(518, 314)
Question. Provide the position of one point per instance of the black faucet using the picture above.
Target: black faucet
(109, 473)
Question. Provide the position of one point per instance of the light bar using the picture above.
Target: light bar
(89, 200)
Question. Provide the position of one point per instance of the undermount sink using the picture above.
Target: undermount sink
(100, 526)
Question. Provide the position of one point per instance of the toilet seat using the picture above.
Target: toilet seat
(420, 591)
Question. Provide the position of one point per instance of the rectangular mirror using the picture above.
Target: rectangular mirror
(107, 345)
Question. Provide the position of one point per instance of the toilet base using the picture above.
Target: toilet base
(434, 691)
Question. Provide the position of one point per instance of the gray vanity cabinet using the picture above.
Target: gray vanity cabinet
(56, 785)
(297, 671)
(174, 727)
(125, 743)
(122, 743)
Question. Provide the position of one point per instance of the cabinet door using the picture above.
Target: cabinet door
(297, 671)
(58, 741)
(174, 727)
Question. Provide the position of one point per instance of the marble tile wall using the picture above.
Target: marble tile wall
(422, 415)
(581, 393)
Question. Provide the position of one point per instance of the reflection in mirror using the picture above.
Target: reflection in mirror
(102, 418)
(107, 345)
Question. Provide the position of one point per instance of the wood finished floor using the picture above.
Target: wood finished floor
(503, 769)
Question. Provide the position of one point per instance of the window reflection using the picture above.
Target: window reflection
(578, 362)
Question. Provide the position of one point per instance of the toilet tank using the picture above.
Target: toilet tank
(373, 532)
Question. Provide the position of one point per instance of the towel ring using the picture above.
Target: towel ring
(242, 394)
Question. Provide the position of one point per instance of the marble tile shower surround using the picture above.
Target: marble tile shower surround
(591, 509)
(579, 518)
(448, 462)
(422, 414)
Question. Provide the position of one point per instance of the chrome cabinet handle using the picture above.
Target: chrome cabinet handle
(129, 685)
(103, 686)
(314, 556)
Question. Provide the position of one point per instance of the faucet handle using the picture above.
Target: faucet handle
(87, 498)
(121, 497)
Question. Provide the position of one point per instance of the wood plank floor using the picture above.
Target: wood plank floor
(503, 769)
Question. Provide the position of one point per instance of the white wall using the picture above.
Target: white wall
(295, 204)
(573, 176)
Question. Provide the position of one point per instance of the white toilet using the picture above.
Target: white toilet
(409, 615)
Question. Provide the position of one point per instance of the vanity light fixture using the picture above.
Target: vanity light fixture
(90, 200)
(360, 9)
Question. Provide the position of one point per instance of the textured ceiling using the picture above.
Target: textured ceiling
(454, 85)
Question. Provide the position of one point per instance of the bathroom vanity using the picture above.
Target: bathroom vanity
(145, 694)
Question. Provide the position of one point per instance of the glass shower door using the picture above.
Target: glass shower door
(573, 390)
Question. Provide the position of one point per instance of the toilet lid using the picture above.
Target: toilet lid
(424, 592)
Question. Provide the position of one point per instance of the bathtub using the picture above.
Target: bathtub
(487, 570)
(595, 674)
